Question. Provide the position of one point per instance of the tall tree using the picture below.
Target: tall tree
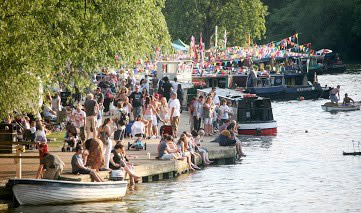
(240, 18)
(45, 42)
(325, 23)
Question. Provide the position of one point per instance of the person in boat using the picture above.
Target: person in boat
(118, 160)
(50, 166)
(253, 77)
(334, 93)
(78, 167)
(347, 100)
(265, 78)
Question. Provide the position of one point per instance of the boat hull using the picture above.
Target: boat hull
(287, 93)
(340, 108)
(334, 68)
(45, 192)
(258, 128)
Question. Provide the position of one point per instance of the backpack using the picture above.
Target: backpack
(109, 95)
(123, 119)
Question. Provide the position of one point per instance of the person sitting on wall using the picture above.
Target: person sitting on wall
(164, 151)
(118, 160)
(227, 138)
(78, 167)
(347, 100)
(51, 163)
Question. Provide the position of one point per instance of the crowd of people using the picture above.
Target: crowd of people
(121, 107)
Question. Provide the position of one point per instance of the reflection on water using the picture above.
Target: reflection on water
(302, 169)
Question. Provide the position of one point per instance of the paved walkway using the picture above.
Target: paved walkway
(30, 166)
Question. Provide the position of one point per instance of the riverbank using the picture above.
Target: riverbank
(144, 161)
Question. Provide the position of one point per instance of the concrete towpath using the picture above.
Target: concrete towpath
(149, 168)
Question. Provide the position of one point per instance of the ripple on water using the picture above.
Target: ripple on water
(292, 172)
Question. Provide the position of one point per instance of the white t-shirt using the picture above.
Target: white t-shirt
(176, 105)
(138, 128)
(78, 118)
(223, 111)
(175, 86)
(216, 100)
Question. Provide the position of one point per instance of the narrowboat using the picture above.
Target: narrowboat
(253, 114)
(331, 62)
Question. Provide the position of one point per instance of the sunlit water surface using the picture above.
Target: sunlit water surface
(296, 171)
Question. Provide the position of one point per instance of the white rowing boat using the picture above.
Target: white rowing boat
(328, 107)
(45, 192)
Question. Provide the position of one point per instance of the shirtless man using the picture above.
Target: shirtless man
(333, 93)
(347, 100)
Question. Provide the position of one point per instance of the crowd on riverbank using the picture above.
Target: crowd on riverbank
(122, 107)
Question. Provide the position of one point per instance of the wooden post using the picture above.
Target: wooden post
(18, 162)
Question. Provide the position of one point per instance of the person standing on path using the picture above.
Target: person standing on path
(91, 111)
(197, 113)
(104, 135)
(99, 98)
(180, 95)
(174, 106)
(136, 100)
(167, 88)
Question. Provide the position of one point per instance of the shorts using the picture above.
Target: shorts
(91, 123)
(174, 122)
(167, 157)
(53, 173)
(207, 121)
(334, 98)
(148, 117)
(155, 120)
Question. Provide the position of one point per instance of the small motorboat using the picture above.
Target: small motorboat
(332, 107)
(49, 192)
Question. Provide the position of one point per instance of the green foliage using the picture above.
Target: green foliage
(240, 18)
(330, 24)
(48, 42)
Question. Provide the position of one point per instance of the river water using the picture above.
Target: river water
(302, 169)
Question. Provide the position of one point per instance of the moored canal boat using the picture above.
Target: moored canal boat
(253, 114)
(48, 192)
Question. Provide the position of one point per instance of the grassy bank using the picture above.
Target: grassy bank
(57, 139)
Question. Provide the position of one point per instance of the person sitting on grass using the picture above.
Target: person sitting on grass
(165, 152)
(118, 161)
(78, 167)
